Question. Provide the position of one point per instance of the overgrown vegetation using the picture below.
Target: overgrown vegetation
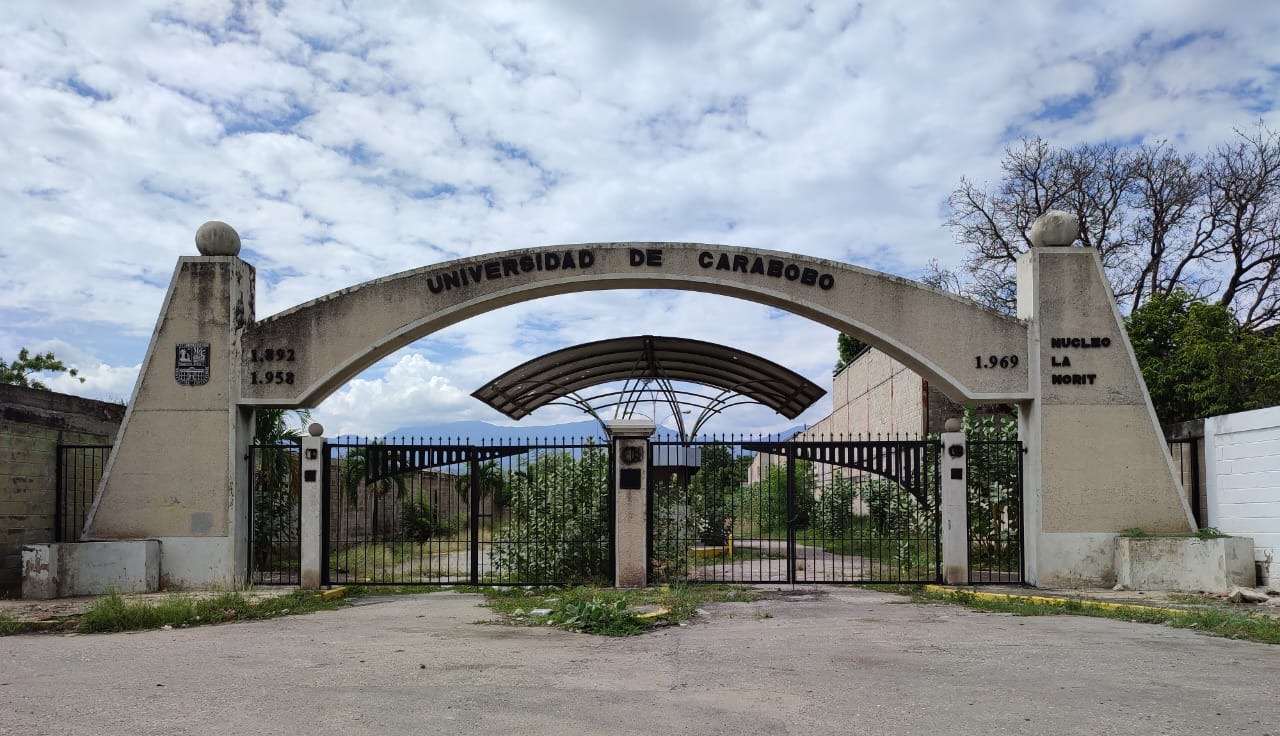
(1198, 360)
(114, 612)
(605, 611)
(276, 487)
(10, 625)
(993, 492)
(558, 529)
(1212, 620)
(420, 521)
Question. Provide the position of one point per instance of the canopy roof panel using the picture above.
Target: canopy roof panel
(639, 360)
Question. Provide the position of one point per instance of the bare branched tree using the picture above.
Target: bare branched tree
(1160, 219)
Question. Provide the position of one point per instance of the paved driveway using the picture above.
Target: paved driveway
(818, 661)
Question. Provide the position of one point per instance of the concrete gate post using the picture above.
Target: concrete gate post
(178, 469)
(955, 507)
(630, 439)
(1098, 463)
(312, 527)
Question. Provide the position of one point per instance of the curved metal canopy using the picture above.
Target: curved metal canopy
(640, 362)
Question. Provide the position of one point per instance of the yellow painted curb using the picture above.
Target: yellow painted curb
(1050, 601)
(654, 614)
(332, 593)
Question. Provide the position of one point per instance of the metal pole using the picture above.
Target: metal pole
(791, 514)
(474, 465)
(58, 482)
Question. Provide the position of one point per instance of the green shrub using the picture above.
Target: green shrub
(835, 508)
(674, 524)
(765, 502)
(598, 616)
(421, 520)
(559, 526)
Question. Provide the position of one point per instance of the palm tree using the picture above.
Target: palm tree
(491, 481)
(353, 474)
(276, 481)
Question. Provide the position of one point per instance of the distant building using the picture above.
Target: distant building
(877, 395)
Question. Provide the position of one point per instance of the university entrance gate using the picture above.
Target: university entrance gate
(443, 513)
(719, 510)
(174, 494)
(867, 511)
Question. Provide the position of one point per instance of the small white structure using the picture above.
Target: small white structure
(1242, 474)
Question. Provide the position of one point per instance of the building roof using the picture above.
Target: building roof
(646, 363)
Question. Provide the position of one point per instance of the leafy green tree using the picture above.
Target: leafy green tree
(1199, 361)
(21, 371)
(848, 348)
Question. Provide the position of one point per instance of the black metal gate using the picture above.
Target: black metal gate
(744, 511)
(79, 469)
(994, 474)
(275, 500)
(448, 513)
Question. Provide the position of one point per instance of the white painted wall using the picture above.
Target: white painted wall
(1242, 473)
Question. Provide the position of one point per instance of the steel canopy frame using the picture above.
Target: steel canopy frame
(650, 365)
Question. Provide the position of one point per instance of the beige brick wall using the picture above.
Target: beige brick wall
(875, 395)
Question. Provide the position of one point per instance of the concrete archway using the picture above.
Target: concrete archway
(332, 339)
(1096, 463)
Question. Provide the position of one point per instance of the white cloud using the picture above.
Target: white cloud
(351, 141)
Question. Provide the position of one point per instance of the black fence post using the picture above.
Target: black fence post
(791, 515)
(58, 482)
(473, 466)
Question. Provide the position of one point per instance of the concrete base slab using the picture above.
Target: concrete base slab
(1184, 563)
(1074, 560)
(90, 568)
(197, 563)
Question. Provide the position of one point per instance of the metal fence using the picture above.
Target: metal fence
(1187, 454)
(994, 476)
(78, 472)
(436, 513)
(761, 511)
(275, 514)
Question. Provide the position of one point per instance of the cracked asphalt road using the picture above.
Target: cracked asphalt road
(808, 661)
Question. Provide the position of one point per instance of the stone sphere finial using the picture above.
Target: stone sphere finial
(216, 238)
(952, 425)
(1055, 228)
(315, 429)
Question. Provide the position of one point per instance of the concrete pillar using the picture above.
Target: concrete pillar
(630, 439)
(178, 469)
(1097, 463)
(955, 508)
(312, 527)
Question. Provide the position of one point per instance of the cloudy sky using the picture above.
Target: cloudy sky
(350, 140)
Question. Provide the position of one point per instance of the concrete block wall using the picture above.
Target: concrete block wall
(1242, 470)
(875, 394)
(31, 424)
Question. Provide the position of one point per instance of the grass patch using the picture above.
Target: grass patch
(117, 613)
(605, 611)
(1221, 622)
(10, 625)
